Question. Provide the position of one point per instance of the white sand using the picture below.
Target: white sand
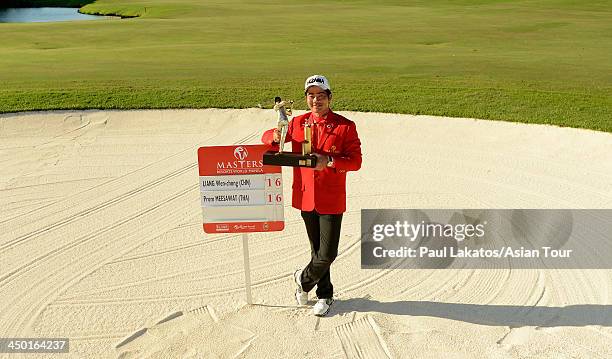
(101, 239)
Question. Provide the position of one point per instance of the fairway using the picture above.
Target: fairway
(545, 61)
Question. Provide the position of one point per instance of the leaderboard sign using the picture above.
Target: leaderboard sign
(238, 192)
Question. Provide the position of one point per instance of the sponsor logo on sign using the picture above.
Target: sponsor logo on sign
(244, 226)
(240, 153)
(240, 164)
(222, 227)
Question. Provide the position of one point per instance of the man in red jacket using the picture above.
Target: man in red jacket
(320, 192)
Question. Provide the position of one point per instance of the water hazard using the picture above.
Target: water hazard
(44, 14)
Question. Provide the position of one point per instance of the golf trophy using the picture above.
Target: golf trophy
(292, 159)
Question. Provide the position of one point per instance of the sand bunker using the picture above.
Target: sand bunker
(101, 241)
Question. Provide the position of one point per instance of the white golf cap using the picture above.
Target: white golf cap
(317, 80)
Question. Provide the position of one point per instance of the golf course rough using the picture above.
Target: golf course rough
(544, 61)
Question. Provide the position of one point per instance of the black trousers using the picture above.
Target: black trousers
(324, 235)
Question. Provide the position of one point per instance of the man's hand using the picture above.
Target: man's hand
(276, 136)
(321, 161)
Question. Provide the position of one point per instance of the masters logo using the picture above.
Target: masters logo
(240, 153)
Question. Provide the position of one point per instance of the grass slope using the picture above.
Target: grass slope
(538, 61)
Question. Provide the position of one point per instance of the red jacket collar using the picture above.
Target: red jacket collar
(330, 117)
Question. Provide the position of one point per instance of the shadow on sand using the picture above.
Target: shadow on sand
(502, 315)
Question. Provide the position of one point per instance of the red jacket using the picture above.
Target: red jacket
(335, 136)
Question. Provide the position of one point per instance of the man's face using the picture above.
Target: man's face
(318, 101)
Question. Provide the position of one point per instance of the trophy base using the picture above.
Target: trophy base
(289, 159)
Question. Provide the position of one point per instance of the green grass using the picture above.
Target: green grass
(536, 61)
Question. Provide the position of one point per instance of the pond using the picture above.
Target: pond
(44, 14)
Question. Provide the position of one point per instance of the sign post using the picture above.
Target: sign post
(247, 267)
(239, 194)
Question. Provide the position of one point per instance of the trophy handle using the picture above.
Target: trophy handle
(307, 144)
